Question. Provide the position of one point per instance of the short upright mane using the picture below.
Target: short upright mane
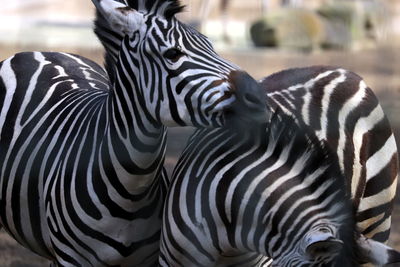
(166, 8)
(111, 40)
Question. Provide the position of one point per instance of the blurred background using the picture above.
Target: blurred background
(261, 36)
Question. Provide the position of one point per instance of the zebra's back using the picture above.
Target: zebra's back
(342, 110)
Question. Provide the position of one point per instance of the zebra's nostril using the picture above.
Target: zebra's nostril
(249, 93)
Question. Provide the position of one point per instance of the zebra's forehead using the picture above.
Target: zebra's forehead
(175, 32)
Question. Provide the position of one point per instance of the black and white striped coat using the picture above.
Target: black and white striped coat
(342, 110)
(224, 172)
(82, 150)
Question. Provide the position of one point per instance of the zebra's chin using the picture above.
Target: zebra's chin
(232, 112)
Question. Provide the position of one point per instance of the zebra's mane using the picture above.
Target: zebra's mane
(166, 8)
(111, 40)
(284, 129)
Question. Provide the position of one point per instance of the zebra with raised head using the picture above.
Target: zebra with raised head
(82, 150)
(238, 201)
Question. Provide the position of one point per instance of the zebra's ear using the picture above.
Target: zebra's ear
(321, 244)
(122, 18)
(371, 251)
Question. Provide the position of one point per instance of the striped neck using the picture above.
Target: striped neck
(136, 142)
(293, 187)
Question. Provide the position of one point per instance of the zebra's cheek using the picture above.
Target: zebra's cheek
(173, 117)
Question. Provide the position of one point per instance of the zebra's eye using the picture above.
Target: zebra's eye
(174, 54)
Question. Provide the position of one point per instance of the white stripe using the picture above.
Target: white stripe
(349, 106)
(328, 90)
(305, 112)
(370, 221)
(383, 227)
(362, 126)
(381, 158)
(10, 82)
(381, 198)
(61, 73)
(282, 106)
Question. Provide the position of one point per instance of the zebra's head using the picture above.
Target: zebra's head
(323, 246)
(173, 69)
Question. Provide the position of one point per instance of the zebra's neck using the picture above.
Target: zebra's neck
(135, 142)
(299, 187)
(268, 206)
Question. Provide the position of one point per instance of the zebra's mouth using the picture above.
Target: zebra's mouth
(238, 99)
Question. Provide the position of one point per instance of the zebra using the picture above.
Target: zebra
(342, 110)
(82, 148)
(229, 204)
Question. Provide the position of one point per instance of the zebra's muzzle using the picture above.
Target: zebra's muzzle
(250, 105)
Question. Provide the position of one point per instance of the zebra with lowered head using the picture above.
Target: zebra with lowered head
(315, 186)
(82, 150)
